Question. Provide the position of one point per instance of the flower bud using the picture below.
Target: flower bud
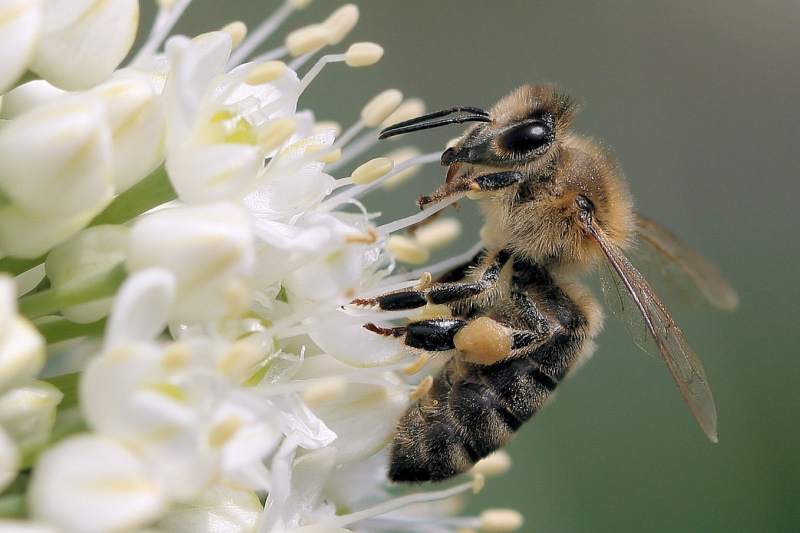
(88, 253)
(21, 345)
(209, 250)
(19, 31)
(27, 413)
(83, 41)
(9, 459)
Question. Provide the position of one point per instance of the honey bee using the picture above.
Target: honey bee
(555, 205)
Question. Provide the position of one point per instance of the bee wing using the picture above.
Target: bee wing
(685, 270)
(633, 300)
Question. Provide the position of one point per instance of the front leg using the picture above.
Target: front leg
(440, 293)
(472, 182)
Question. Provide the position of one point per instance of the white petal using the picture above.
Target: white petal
(83, 41)
(344, 337)
(224, 171)
(21, 354)
(194, 63)
(142, 307)
(9, 459)
(20, 25)
(89, 484)
(209, 250)
(220, 509)
(136, 118)
(28, 96)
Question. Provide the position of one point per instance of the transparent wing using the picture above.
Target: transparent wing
(694, 279)
(632, 299)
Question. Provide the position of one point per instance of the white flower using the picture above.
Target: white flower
(208, 248)
(201, 254)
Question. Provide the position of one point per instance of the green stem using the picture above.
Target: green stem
(151, 192)
(62, 329)
(100, 285)
(13, 506)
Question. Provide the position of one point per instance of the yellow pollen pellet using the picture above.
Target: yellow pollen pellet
(363, 54)
(407, 250)
(372, 170)
(380, 107)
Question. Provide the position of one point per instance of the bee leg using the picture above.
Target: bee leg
(476, 182)
(431, 335)
(440, 293)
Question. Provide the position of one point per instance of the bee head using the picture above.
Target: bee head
(525, 131)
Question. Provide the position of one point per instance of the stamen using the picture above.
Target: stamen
(372, 170)
(307, 39)
(341, 521)
(264, 73)
(422, 215)
(366, 238)
(500, 520)
(442, 266)
(439, 233)
(422, 389)
(168, 14)
(363, 54)
(418, 364)
(326, 153)
(328, 125)
(380, 107)
(407, 250)
(262, 32)
(324, 390)
(276, 133)
(237, 30)
(340, 22)
(409, 109)
(399, 156)
(497, 463)
(434, 310)
(424, 281)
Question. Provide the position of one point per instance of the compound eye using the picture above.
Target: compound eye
(528, 137)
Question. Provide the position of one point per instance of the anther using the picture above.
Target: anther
(328, 125)
(424, 281)
(326, 153)
(418, 364)
(340, 22)
(439, 233)
(413, 107)
(237, 30)
(372, 170)
(500, 520)
(324, 390)
(423, 388)
(265, 73)
(363, 54)
(367, 238)
(276, 133)
(496, 463)
(307, 39)
(380, 107)
(407, 250)
(400, 156)
(299, 4)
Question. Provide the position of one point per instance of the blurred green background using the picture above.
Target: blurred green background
(699, 103)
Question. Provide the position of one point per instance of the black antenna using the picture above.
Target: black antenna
(418, 123)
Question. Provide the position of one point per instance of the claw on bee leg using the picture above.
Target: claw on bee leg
(386, 332)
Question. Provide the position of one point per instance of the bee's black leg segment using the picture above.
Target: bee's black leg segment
(433, 335)
(496, 181)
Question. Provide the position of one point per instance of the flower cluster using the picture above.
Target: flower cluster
(181, 356)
